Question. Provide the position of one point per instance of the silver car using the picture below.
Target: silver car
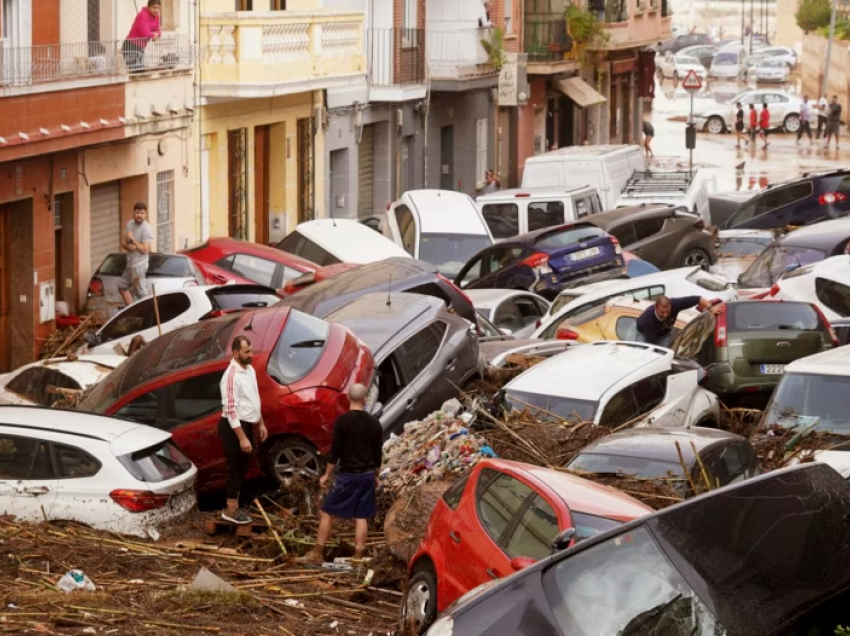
(423, 352)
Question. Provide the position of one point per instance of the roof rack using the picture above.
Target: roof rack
(646, 181)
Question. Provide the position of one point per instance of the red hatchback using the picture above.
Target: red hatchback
(499, 518)
(304, 366)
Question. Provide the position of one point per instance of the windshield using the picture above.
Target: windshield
(722, 59)
(550, 407)
(703, 279)
(625, 587)
(569, 237)
(450, 252)
(775, 261)
(761, 316)
(740, 247)
(561, 301)
(626, 465)
(299, 348)
(805, 400)
(163, 265)
(686, 59)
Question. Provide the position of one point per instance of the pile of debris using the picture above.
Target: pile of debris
(67, 340)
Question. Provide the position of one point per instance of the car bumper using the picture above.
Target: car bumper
(145, 524)
(555, 283)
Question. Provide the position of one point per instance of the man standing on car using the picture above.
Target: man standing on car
(655, 324)
(833, 121)
(764, 123)
(138, 237)
(356, 447)
(240, 400)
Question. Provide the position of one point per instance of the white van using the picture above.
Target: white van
(685, 190)
(509, 213)
(730, 62)
(606, 168)
(330, 241)
(440, 227)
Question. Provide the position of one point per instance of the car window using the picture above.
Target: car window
(161, 462)
(543, 214)
(567, 237)
(775, 261)
(771, 200)
(169, 266)
(644, 228)
(502, 219)
(74, 463)
(620, 409)
(170, 306)
(562, 300)
(703, 279)
(833, 295)
(626, 328)
(434, 290)
(727, 465)
(452, 496)
(299, 347)
(177, 403)
(648, 293)
(134, 319)
(499, 258)
(535, 531)
(33, 384)
(757, 316)
(305, 248)
(372, 224)
(588, 526)
(407, 228)
(624, 233)
(581, 207)
(259, 270)
(233, 297)
(473, 271)
(507, 316)
(693, 337)
(418, 351)
(499, 497)
(24, 458)
(649, 392)
(530, 309)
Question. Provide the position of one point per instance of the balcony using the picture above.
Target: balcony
(456, 58)
(264, 54)
(549, 47)
(632, 23)
(396, 64)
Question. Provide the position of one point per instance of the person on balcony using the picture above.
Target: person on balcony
(145, 28)
(484, 21)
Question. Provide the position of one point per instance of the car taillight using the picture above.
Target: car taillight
(826, 323)
(774, 290)
(565, 333)
(720, 330)
(832, 197)
(535, 260)
(138, 500)
(96, 287)
(617, 248)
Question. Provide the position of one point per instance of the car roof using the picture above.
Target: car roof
(235, 246)
(826, 233)
(659, 443)
(830, 362)
(603, 219)
(592, 369)
(489, 298)
(531, 193)
(76, 423)
(627, 284)
(583, 152)
(531, 237)
(438, 212)
(626, 302)
(349, 240)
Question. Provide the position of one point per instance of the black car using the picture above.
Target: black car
(679, 42)
(803, 201)
(703, 52)
(766, 557)
(801, 247)
(397, 274)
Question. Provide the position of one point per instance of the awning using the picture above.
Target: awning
(579, 91)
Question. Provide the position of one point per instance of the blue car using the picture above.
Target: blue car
(546, 261)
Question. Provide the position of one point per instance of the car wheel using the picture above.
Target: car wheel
(792, 123)
(715, 125)
(420, 601)
(695, 257)
(291, 457)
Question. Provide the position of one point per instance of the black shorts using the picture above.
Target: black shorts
(739, 126)
(352, 497)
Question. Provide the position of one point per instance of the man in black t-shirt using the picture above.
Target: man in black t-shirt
(655, 324)
(739, 124)
(356, 448)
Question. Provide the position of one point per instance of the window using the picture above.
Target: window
(543, 214)
(647, 293)
(259, 270)
(771, 200)
(33, 384)
(530, 309)
(132, 320)
(158, 463)
(452, 496)
(588, 526)
(472, 272)
(644, 228)
(73, 463)
(165, 209)
(502, 219)
(625, 234)
(537, 528)
(509, 17)
(546, 406)
(169, 17)
(481, 137)
(178, 403)
(418, 351)
(775, 261)
(170, 306)
(450, 252)
(507, 316)
(500, 497)
(703, 279)
(499, 258)
(407, 228)
(569, 237)
(620, 409)
(758, 316)
(803, 399)
(409, 17)
(626, 328)
(299, 348)
(727, 465)
(650, 392)
(833, 295)
(226, 297)
(24, 458)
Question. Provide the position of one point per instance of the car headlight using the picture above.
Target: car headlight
(443, 627)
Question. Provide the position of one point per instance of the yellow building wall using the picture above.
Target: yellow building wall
(787, 31)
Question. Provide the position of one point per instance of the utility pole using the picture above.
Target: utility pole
(825, 88)
(752, 24)
(743, 9)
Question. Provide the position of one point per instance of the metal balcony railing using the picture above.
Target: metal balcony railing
(547, 40)
(396, 57)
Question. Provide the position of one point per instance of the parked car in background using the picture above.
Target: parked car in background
(783, 54)
(304, 367)
(722, 205)
(151, 317)
(613, 384)
(30, 384)
(106, 473)
(545, 261)
(666, 237)
(812, 395)
(332, 241)
(423, 353)
(703, 52)
(677, 66)
(810, 199)
(661, 573)
(498, 518)
(784, 110)
(664, 453)
(744, 350)
(825, 284)
(804, 246)
(683, 40)
(684, 191)
(737, 250)
(322, 273)
(730, 62)
(513, 312)
(615, 320)
(253, 262)
(772, 70)
(509, 213)
(166, 272)
(390, 275)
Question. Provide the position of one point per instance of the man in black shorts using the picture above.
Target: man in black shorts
(739, 124)
(356, 447)
(648, 134)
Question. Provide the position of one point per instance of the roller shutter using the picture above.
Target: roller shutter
(366, 172)
(104, 222)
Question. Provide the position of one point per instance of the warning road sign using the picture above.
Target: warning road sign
(692, 81)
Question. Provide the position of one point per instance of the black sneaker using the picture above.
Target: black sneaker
(239, 517)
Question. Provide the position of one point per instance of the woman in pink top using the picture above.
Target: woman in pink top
(145, 28)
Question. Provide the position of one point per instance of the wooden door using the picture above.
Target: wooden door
(262, 139)
(5, 343)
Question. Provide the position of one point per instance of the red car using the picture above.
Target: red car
(304, 366)
(499, 518)
(321, 273)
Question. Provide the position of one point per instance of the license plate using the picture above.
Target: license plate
(590, 252)
(772, 369)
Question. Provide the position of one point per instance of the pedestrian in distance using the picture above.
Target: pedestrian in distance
(145, 28)
(823, 108)
(754, 124)
(492, 183)
(356, 448)
(241, 419)
(739, 124)
(138, 237)
(833, 121)
(805, 118)
(764, 124)
(648, 134)
(655, 324)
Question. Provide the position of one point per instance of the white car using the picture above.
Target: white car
(812, 394)
(825, 284)
(514, 312)
(28, 385)
(331, 241)
(684, 281)
(737, 249)
(678, 66)
(110, 474)
(176, 309)
(614, 383)
(772, 69)
(784, 111)
(784, 54)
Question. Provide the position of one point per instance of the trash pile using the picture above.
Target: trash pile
(440, 447)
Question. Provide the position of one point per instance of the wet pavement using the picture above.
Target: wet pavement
(717, 154)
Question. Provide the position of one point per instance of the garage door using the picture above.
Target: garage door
(105, 222)
(365, 185)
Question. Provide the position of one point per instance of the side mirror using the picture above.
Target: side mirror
(91, 338)
(562, 541)
(520, 563)
(505, 331)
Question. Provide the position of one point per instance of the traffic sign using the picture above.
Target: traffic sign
(692, 81)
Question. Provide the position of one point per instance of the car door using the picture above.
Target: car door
(137, 319)
(27, 478)
(80, 486)
(778, 207)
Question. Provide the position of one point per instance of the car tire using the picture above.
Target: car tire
(420, 600)
(695, 256)
(791, 123)
(715, 125)
(289, 457)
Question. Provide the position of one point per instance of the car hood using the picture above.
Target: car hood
(495, 353)
(731, 268)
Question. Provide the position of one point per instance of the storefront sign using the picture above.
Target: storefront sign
(509, 81)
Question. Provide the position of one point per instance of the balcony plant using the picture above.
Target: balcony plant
(495, 49)
(584, 27)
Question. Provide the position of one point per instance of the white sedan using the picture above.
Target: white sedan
(782, 54)
(513, 312)
(678, 66)
(772, 70)
(31, 384)
(784, 111)
(107, 473)
(825, 284)
(173, 310)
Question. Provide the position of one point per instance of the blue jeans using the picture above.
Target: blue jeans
(662, 340)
